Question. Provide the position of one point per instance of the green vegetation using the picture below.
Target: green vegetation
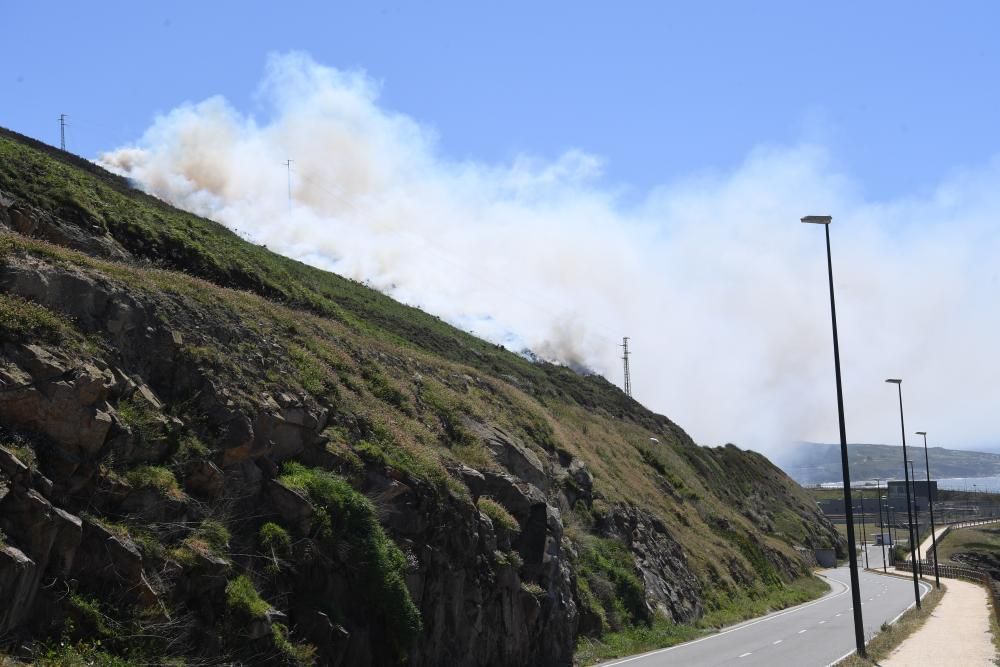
(155, 477)
(891, 636)
(210, 537)
(79, 654)
(89, 612)
(348, 518)
(298, 654)
(609, 585)
(274, 538)
(749, 603)
(23, 320)
(242, 598)
(141, 417)
(276, 543)
(498, 514)
(660, 633)
(980, 540)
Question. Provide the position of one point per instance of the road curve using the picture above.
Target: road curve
(816, 633)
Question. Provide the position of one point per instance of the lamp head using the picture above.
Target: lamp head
(894, 381)
(921, 432)
(818, 219)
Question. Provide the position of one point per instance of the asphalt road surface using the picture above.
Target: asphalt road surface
(816, 633)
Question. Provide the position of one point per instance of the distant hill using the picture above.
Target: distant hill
(817, 463)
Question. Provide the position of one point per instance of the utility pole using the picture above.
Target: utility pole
(288, 166)
(628, 376)
(62, 131)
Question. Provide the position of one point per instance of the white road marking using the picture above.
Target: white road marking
(742, 626)
(822, 622)
(839, 614)
(775, 643)
(801, 631)
(745, 655)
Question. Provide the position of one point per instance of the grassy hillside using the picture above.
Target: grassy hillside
(234, 329)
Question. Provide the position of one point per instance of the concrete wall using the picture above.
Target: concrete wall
(826, 557)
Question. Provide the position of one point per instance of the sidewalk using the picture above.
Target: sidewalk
(957, 633)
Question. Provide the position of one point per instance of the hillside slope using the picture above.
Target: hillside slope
(262, 462)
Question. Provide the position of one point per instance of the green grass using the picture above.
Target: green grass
(210, 537)
(662, 632)
(974, 539)
(378, 566)
(275, 543)
(298, 653)
(141, 417)
(608, 583)
(498, 514)
(79, 654)
(155, 477)
(244, 600)
(23, 320)
(744, 603)
(273, 537)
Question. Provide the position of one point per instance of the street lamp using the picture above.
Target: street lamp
(859, 628)
(930, 506)
(906, 475)
(881, 524)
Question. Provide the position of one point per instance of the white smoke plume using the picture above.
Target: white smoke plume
(722, 291)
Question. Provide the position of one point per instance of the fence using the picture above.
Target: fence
(950, 571)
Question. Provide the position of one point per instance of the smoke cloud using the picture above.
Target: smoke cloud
(722, 291)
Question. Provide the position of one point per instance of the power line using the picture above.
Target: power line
(62, 131)
(628, 375)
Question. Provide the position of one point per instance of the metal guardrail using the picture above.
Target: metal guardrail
(950, 571)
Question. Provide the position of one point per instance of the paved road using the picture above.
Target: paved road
(816, 633)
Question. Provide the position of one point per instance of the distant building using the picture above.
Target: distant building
(833, 508)
(919, 491)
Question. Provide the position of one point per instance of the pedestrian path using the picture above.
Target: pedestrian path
(957, 632)
(928, 544)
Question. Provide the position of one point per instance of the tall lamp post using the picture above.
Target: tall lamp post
(906, 475)
(859, 631)
(881, 524)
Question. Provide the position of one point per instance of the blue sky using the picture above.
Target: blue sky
(901, 93)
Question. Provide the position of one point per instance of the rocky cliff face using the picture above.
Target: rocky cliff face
(191, 470)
